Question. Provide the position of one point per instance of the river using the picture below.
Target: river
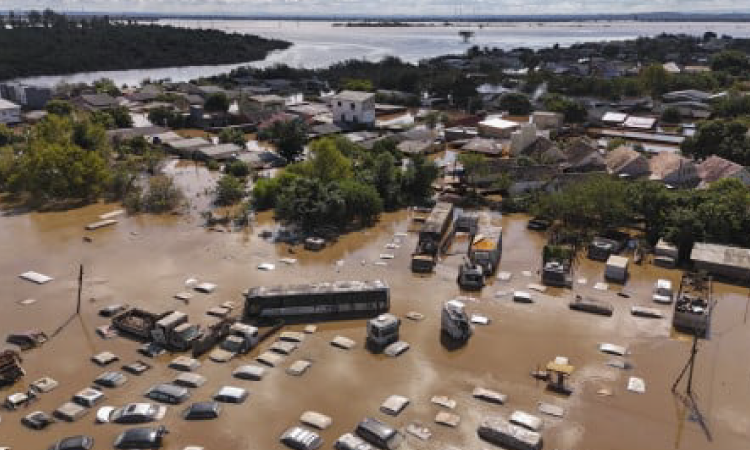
(319, 44)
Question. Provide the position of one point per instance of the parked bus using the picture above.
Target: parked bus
(317, 301)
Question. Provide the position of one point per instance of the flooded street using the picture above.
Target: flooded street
(144, 261)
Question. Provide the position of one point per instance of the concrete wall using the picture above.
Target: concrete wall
(521, 140)
(353, 112)
(547, 120)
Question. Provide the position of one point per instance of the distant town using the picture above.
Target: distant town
(514, 189)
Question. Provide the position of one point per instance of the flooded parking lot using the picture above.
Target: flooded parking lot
(144, 261)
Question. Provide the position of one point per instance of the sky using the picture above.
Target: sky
(383, 7)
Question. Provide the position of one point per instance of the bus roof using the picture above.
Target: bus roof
(317, 288)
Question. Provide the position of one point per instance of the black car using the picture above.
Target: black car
(37, 420)
(202, 411)
(111, 379)
(168, 393)
(141, 438)
(74, 443)
(379, 434)
(151, 350)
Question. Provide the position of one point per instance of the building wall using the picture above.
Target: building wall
(353, 112)
(521, 140)
(10, 115)
(547, 120)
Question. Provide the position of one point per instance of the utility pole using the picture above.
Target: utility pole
(80, 288)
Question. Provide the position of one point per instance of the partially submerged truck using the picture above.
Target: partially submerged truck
(431, 238)
(557, 265)
(172, 330)
(382, 331)
(454, 322)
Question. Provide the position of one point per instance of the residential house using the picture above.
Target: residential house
(220, 152)
(483, 146)
(582, 155)
(716, 168)
(672, 68)
(29, 97)
(674, 170)
(187, 147)
(261, 103)
(10, 113)
(354, 108)
(690, 95)
(722, 260)
(639, 123)
(497, 127)
(96, 102)
(545, 151)
(691, 110)
(418, 141)
(626, 162)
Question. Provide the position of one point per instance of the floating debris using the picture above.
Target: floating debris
(394, 404)
(504, 276)
(100, 224)
(551, 410)
(36, 277)
(381, 263)
(536, 287)
(619, 364)
(419, 431)
(27, 302)
(415, 316)
(288, 261)
(443, 401)
(612, 349)
(526, 273)
(649, 313)
(267, 267)
(637, 385)
(582, 281)
(489, 396)
(480, 320)
(343, 343)
(310, 329)
(604, 392)
(191, 282)
(447, 419)
(184, 296)
(396, 349)
(391, 246)
(112, 214)
(205, 288)
(601, 286)
(387, 256)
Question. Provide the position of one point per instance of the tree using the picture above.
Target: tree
(233, 136)
(655, 79)
(417, 182)
(7, 136)
(60, 171)
(363, 204)
(327, 163)
(572, 111)
(311, 204)
(238, 169)
(106, 86)
(516, 104)
(59, 107)
(34, 18)
(671, 115)
(161, 196)
(353, 84)
(290, 137)
(217, 102)
(734, 62)
(121, 117)
(725, 138)
(386, 180)
(433, 119)
(229, 190)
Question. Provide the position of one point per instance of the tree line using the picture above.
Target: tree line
(54, 44)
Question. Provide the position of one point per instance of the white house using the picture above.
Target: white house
(353, 108)
(9, 112)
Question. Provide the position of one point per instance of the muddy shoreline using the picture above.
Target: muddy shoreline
(143, 261)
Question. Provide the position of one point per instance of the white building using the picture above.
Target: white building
(545, 120)
(522, 138)
(354, 108)
(10, 113)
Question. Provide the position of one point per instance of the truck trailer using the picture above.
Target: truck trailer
(431, 237)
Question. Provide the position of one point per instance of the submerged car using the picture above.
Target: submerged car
(202, 411)
(168, 393)
(300, 438)
(74, 443)
(141, 438)
(37, 420)
(131, 413)
(111, 379)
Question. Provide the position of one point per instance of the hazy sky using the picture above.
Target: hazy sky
(419, 7)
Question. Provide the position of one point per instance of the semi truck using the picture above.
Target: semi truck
(487, 245)
(431, 237)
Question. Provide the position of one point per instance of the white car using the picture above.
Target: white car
(131, 413)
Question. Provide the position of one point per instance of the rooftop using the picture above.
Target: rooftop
(721, 254)
(716, 168)
(353, 96)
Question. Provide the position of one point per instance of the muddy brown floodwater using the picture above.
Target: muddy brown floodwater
(143, 261)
